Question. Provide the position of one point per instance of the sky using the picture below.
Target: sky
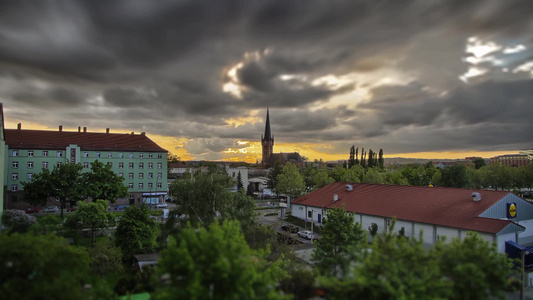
(428, 79)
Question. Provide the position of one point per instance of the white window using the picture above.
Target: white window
(131, 155)
(45, 153)
(29, 176)
(159, 155)
(15, 153)
(30, 153)
(141, 165)
(141, 155)
(141, 175)
(141, 185)
(121, 165)
(58, 164)
(86, 165)
(30, 165)
(150, 165)
(130, 185)
(309, 214)
(85, 154)
(97, 154)
(14, 187)
(15, 165)
(121, 155)
(120, 174)
(59, 154)
(150, 155)
(131, 165)
(150, 185)
(45, 165)
(109, 154)
(130, 175)
(150, 175)
(14, 176)
(159, 175)
(159, 185)
(159, 165)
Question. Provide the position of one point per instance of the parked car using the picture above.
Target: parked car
(306, 234)
(162, 205)
(32, 210)
(73, 208)
(290, 228)
(121, 207)
(51, 209)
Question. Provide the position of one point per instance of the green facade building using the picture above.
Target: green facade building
(138, 159)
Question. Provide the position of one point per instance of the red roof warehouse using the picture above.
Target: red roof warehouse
(438, 212)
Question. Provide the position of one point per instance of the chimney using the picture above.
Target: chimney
(107, 130)
(132, 132)
(143, 133)
(60, 128)
(349, 187)
(79, 128)
(335, 197)
(19, 126)
(84, 129)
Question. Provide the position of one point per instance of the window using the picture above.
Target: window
(141, 175)
(30, 165)
(309, 214)
(130, 175)
(141, 155)
(150, 185)
(131, 155)
(159, 185)
(150, 175)
(159, 175)
(121, 165)
(45, 153)
(86, 165)
(58, 164)
(150, 165)
(30, 153)
(141, 165)
(109, 154)
(141, 185)
(15, 176)
(15, 165)
(85, 154)
(97, 154)
(14, 187)
(59, 154)
(159, 165)
(131, 165)
(130, 185)
(159, 155)
(120, 174)
(45, 165)
(132, 196)
(150, 155)
(29, 176)
(121, 155)
(15, 153)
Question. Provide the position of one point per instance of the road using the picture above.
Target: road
(276, 223)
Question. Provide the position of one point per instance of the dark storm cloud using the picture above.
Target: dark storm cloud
(159, 66)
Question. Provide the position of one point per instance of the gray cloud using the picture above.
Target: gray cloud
(160, 67)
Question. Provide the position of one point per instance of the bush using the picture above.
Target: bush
(17, 221)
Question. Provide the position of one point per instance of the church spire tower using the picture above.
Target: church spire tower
(267, 141)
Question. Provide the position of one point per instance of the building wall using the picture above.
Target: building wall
(148, 169)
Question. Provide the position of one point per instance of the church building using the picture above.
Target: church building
(269, 158)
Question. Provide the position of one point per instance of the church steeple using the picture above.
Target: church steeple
(267, 141)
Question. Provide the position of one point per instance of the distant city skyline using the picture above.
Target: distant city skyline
(418, 79)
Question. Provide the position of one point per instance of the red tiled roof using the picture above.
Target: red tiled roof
(43, 139)
(451, 207)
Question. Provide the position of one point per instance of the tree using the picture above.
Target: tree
(17, 221)
(474, 267)
(102, 183)
(39, 189)
(215, 263)
(42, 267)
(381, 160)
(272, 176)
(454, 176)
(239, 181)
(342, 240)
(93, 216)
(290, 181)
(373, 175)
(321, 178)
(479, 163)
(136, 232)
(370, 158)
(351, 162)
